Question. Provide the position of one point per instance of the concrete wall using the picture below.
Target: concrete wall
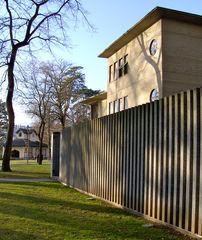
(144, 70)
(182, 56)
(147, 159)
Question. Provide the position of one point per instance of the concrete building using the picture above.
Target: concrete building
(159, 56)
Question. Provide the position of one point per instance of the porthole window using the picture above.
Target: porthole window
(153, 47)
(154, 95)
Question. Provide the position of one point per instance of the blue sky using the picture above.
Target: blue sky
(110, 19)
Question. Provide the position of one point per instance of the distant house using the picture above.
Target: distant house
(26, 145)
(157, 57)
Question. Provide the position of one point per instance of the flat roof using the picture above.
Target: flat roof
(94, 99)
(152, 17)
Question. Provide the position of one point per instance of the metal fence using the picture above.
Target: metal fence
(147, 159)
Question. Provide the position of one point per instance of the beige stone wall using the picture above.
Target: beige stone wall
(182, 56)
(102, 108)
(144, 70)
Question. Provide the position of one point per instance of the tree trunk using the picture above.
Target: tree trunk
(11, 116)
(40, 160)
(41, 134)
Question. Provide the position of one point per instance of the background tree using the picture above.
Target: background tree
(66, 83)
(36, 98)
(52, 94)
(29, 25)
(81, 112)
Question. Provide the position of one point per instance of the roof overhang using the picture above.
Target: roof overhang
(95, 99)
(152, 17)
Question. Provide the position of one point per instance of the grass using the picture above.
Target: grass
(51, 211)
(30, 169)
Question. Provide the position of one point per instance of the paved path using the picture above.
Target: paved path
(27, 180)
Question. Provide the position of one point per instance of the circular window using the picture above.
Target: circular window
(154, 95)
(153, 47)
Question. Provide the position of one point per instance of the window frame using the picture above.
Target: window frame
(153, 98)
(125, 102)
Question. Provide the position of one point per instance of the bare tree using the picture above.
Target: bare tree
(36, 98)
(29, 25)
(80, 112)
(66, 82)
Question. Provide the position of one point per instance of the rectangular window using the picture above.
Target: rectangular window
(125, 69)
(110, 107)
(116, 105)
(115, 70)
(121, 67)
(94, 111)
(125, 102)
(120, 104)
(110, 73)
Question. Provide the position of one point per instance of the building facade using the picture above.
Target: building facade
(26, 145)
(157, 57)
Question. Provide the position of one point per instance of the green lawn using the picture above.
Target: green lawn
(51, 211)
(27, 169)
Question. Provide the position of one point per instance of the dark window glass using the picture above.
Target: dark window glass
(94, 111)
(121, 67)
(125, 102)
(110, 73)
(125, 69)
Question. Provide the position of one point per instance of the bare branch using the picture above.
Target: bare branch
(10, 22)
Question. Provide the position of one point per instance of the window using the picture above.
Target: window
(110, 73)
(154, 95)
(121, 67)
(115, 70)
(153, 47)
(125, 102)
(116, 106)
(120, 104)
(20, 134)
(125, 69)
(94, 111)
(110, 107)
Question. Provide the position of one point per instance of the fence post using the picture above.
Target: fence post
(200, 170)
(55, 154)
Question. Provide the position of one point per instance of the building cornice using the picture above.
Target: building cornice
(94, 99)
(152, 17)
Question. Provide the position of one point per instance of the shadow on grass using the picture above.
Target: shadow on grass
(83, 204)
(6, 233)
(20, 174)
(74, 214)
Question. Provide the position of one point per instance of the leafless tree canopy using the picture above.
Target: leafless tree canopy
(28, 25)
(61, 85)
(44, 21)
